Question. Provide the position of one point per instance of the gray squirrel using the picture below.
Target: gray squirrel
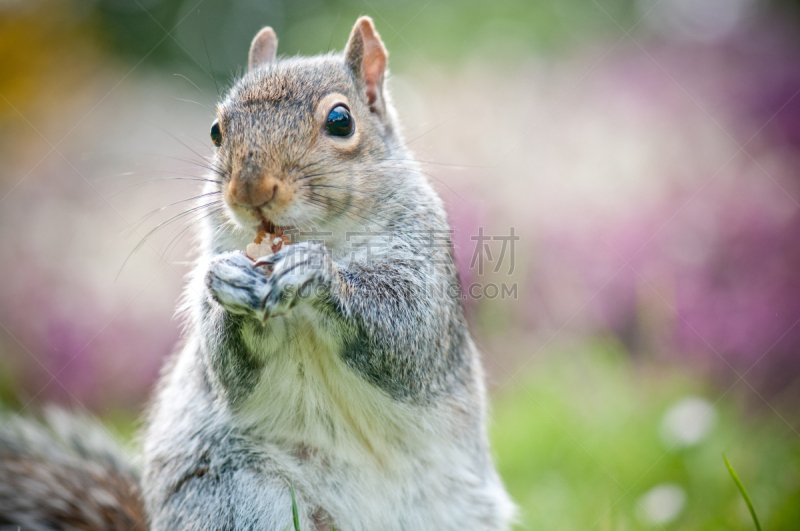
(340, 368)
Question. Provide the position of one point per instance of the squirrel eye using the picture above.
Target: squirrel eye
(340, 123)
(216, 133)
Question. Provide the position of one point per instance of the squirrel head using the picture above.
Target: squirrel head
(303, 142)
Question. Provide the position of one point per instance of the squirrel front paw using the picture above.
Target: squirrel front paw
(237, 285)
(299, 272)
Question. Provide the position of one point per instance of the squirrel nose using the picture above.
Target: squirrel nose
(256, 192)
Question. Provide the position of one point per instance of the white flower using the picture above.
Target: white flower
(687, 422)
(661, 504)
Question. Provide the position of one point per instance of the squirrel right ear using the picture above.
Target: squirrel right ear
(366, 55)
(263, 49)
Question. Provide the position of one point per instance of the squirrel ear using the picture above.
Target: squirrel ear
(263, 48)
(366, 55)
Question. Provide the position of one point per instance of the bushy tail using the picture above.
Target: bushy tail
(65, 473)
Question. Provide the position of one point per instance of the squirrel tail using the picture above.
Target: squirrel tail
(65, 473)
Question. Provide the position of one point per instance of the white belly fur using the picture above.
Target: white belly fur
(350, 448)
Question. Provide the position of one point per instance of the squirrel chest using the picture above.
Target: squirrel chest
(309, 400)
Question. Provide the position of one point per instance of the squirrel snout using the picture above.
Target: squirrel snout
(254, 192)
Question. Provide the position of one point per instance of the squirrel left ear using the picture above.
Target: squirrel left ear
(366, 55)
(263, 49)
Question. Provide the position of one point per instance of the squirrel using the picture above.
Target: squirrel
(337, 375)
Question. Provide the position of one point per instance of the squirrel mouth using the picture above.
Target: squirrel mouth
(268, 227)
(269, 240)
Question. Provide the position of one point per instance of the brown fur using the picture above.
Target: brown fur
(263, 48)
(63, 475)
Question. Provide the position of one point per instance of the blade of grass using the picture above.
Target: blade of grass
(295, 517)
(743, 491)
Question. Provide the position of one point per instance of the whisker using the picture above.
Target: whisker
(345, 188)
(206, 164)
(346, 206)
(161, 179)
(425, 133)
(322, 174)
(440, 182)
(191, 224)
(325, 207)
(184, 144)
(203, 105)
(156, 211)
(437, 163)
(214, 77)
(160, 225)
(195, 86)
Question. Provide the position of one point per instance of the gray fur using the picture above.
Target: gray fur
(341, 365)
(368, 394)
(65, 474)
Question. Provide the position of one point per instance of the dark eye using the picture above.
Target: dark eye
(340, 123)
(216, 133)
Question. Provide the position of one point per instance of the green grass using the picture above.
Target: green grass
(576, 439)
(577, 443)
(743, 491)
(295, 517)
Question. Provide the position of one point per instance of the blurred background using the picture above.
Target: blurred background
(623, 179)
